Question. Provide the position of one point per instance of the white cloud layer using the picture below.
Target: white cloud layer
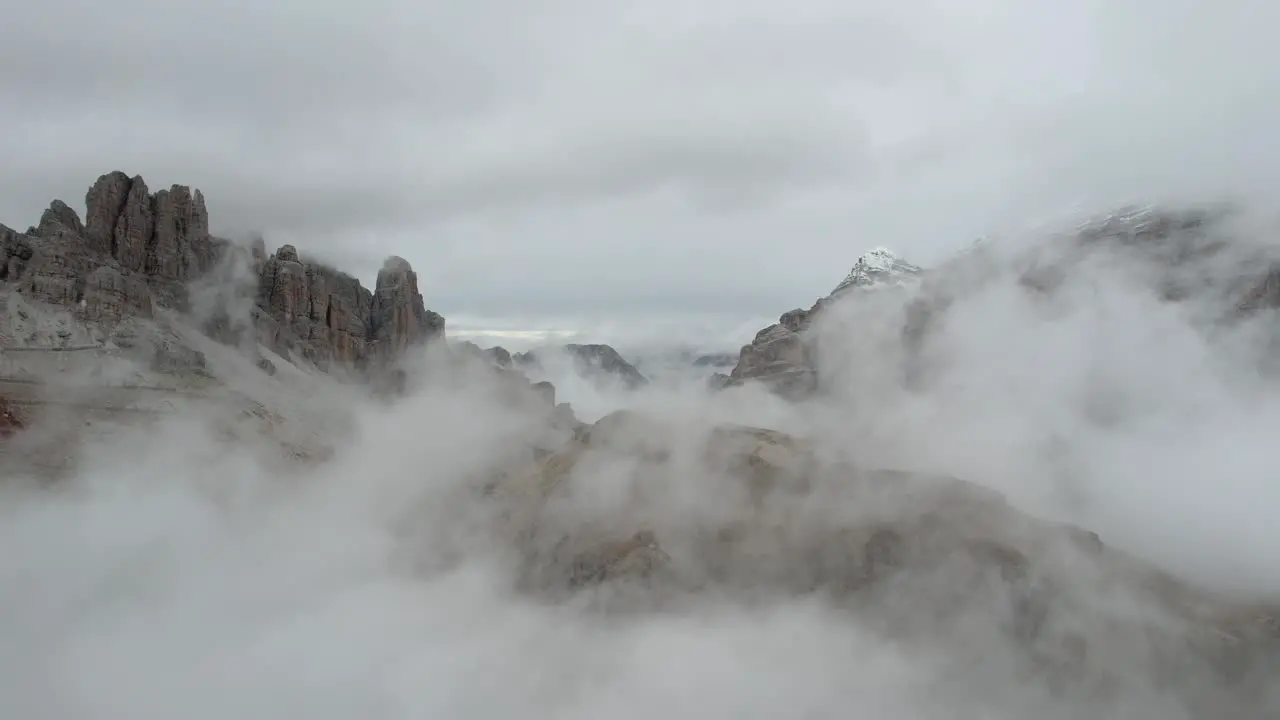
(657, 158)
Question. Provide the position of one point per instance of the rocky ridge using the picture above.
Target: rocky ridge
(326, 317)
(593, 361)
(1183, 252)
(500, 366)
(929, 559)
(879, 267)
(138, 252)
(780, 357)
(139, 310)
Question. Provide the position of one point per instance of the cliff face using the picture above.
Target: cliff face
(136, 250)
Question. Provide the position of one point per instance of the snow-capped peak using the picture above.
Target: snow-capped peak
(878, 267)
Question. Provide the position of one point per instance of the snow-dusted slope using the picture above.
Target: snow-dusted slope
(879, 267)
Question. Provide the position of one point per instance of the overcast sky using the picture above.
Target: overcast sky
(553, 160)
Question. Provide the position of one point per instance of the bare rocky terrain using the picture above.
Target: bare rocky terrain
(136, 313)
(933, 559)
(138, 310)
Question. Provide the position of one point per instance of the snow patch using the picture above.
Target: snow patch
(878, 267)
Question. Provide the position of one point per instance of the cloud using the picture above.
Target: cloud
(179, 574)
(1099, 403)
(637, 171)
(780, 140)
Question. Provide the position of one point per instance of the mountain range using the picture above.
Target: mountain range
(135, 314)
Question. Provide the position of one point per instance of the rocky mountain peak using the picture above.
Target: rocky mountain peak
(137, 250)
(398, 317)
(394, 267)
(1177, 245)
(779, 357)
(287, 253)
(60, 215)
(878, 267)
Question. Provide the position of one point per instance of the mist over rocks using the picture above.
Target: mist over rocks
(715, 360)
(779, 356)
(329, 318)
(137, 250)
(126, 318)
(677, 362)
(1177, 253)
(496, 355)
(463, 493)
(498, 364)
(1034, 480)
(943, 559)
(597, 362)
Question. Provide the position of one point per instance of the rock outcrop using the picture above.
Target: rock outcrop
(497, 355)
(162, 237)
(328, 318)
(596, 362)
(137, 250)
(397, 317)
(495, 363)
(780, 357)
(313, 311)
